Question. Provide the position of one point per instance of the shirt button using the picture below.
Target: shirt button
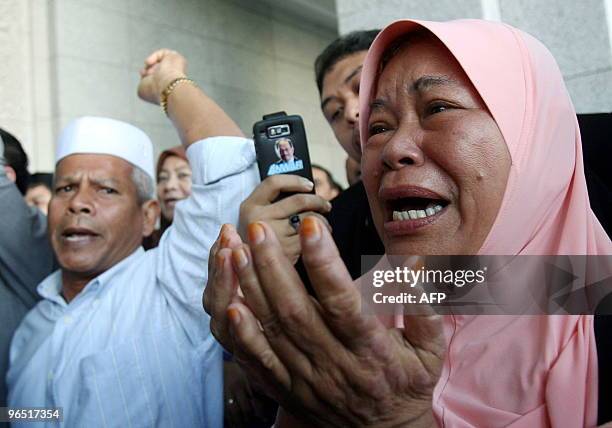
(50, 375)
(67, 319)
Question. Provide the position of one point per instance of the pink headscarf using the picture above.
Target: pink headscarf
(518, 371)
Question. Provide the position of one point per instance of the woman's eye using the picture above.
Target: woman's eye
(162, 179)
(184, 176)
(378, 128)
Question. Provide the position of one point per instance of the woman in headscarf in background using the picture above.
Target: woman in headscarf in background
(173, 185)
(470, 146)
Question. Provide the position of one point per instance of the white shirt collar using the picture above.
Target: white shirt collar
(51, 287)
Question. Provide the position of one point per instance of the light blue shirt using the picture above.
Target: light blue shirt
(134, 348)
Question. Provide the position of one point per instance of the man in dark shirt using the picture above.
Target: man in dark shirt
(595, 131)
(25, 254)
(338, 72)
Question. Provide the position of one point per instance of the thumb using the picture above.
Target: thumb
(422, 324)
(424, 331)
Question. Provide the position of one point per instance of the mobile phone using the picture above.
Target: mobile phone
(281, 147)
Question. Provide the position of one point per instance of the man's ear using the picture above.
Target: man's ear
(151, 212)
(10, 173)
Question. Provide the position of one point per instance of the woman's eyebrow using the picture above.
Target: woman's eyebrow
(422, 84)
(425, 83)
(378, 104)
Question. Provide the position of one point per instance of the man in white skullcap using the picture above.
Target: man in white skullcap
(120, 338)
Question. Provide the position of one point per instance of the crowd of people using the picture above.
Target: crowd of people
(187, 293)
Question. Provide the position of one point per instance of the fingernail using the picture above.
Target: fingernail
(310, 229)
(307, 183)
(234, 316)
(329, 206)
(240, 258)
(256, 233)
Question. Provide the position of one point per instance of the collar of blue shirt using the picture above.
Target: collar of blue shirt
(51, 287)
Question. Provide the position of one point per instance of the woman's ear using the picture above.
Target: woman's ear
(151, 212)
(10, 173)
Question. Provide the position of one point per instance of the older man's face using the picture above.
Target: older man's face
(95, 220)
(285, 151)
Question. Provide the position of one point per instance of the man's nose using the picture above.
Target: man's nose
(351, 111)
(81, 203)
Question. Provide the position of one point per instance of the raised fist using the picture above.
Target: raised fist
(161, 68)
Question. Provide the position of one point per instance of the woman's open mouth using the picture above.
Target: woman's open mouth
(171, 202)
(415, 208)
(409, 208)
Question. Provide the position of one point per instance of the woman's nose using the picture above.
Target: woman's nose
(401, 150)
(172, 183)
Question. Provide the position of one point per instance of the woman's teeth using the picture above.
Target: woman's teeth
(414, 214)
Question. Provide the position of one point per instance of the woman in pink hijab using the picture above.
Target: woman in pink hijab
(477, 112)
(470, 146)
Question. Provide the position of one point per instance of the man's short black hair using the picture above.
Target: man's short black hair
(339, 49)
(17, 159)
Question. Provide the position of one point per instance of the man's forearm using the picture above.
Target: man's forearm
(196, 116)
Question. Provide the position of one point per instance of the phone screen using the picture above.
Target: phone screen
(282, 148)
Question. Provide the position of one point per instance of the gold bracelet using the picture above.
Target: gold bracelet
(163, 100)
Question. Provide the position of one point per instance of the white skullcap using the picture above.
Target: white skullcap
(100, 135)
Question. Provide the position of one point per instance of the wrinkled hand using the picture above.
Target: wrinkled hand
(160, 68)
(259, 206)
(322, 360)
(222, 286)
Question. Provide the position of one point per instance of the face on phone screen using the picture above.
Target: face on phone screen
(286, 159)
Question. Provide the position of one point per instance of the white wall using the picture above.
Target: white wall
(25, 77)
(251, 61)
(576, 32)
(370, 14)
